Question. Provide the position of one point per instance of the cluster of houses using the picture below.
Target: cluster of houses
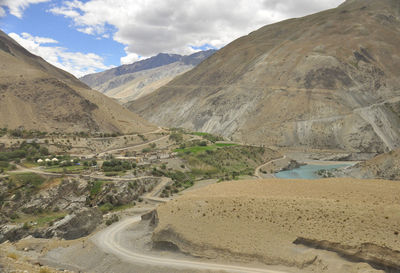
(54, 160)
(148, 157)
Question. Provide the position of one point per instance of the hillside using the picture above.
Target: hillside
(132, 81)
(35, 95)
(272, 221)
(385, 166)
(328, 80)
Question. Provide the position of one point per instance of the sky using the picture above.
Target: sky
(88, 36)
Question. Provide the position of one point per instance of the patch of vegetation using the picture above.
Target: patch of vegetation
(67, 169)
(182, 180)
(115, 165)
(44, 218)
(28, 182)
(199, 146)
(223, 161)
(108, 207)
(114, 218)
(28, 151)
(146, 150)
(143, 138)
(177, 137)
(3, 131)
(209, 137)
(96, 187)
(18, 133)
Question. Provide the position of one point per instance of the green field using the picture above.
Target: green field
(68, 169)
(198, 149)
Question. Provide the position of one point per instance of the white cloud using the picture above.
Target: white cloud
(130, 58)
(17, 7)
(148, 27)
(38, 40)
(2, 12)
(76, 63)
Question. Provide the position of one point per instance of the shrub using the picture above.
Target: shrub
(106, 208)
(14, 216)
(146, 150)
(12, 256)
(114, 218)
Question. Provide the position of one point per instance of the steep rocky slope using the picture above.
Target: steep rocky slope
(328, 80)
(263, 220)
(385, 166)
(36, 95)
(130, 82)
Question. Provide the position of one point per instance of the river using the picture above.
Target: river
(308, 171)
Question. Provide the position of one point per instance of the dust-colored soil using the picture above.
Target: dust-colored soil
(35, 95)
(260, 220)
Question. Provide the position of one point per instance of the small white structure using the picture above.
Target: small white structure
(72, 161)
(54, 160)
(47, 160)
(39, 160)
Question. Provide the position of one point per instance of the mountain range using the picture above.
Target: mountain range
(132, 81)
(327, 80)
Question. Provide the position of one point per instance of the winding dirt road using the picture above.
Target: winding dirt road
(130, 147)
(257, 172)
(109, 240)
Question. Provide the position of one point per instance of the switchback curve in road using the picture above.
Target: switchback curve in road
(109, 239)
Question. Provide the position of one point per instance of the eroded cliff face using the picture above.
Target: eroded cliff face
(328, 80)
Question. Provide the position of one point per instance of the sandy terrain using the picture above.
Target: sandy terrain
(260, 220)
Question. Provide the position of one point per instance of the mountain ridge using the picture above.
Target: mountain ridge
(326, 80)
(35, 95)
(141, 74)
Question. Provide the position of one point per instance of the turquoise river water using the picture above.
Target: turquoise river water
(308, 171)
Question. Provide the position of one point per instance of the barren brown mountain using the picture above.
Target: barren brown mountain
(36, 95)
(328, 80)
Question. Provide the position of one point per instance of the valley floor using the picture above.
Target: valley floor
(128, 244)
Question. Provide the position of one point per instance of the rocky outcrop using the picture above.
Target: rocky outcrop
(72, 197)
(379, 257)
(329, 80)
(121, 193)
(76, 225)
(384, 166)
(152, 217)
(12, 233)
(69, 195)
